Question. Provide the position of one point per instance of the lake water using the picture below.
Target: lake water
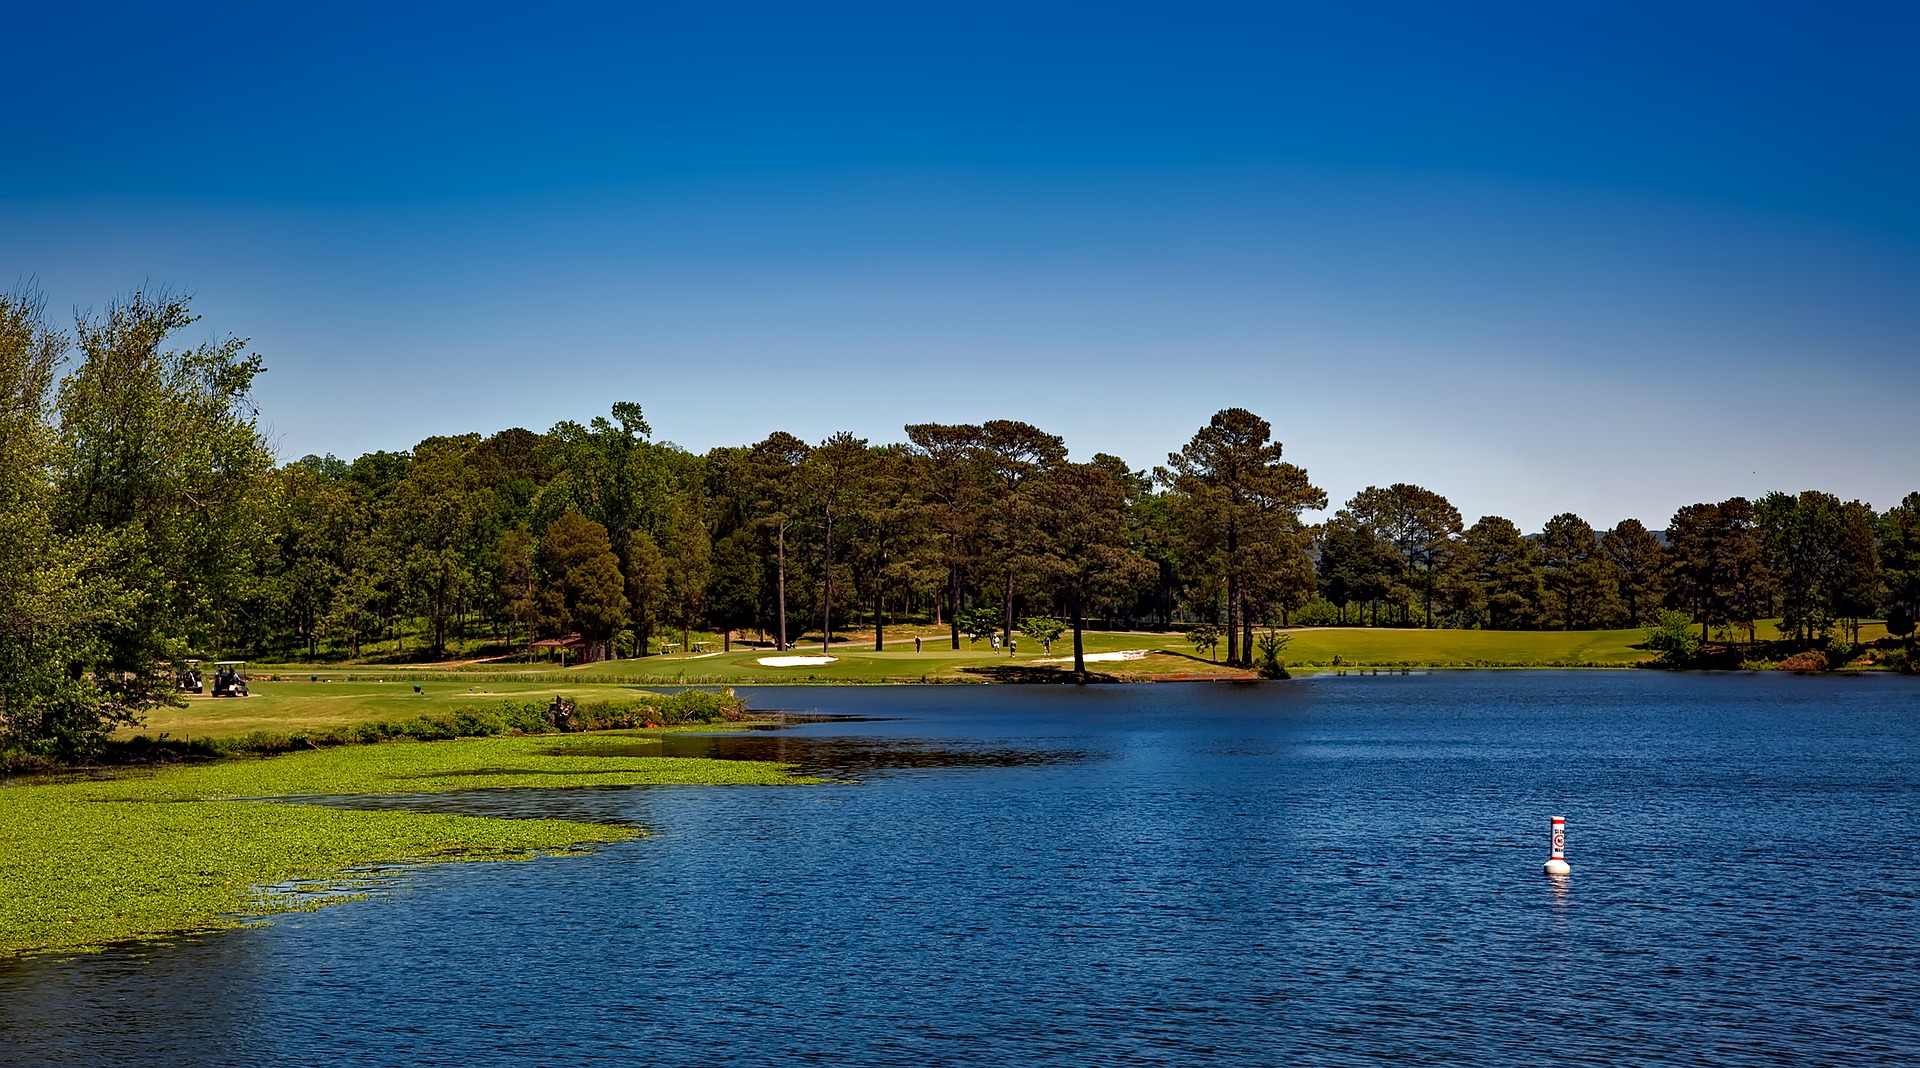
(1326, 871)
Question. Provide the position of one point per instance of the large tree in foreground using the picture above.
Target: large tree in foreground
(54, 591)
(159, 457)
(1236, 487)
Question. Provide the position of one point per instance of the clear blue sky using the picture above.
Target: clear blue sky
(1610, 259)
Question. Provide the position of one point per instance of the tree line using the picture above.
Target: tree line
(143, 519)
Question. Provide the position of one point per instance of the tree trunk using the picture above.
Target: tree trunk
(1006, 612)
(879, 623)
(1233, 591)
(1079, 650)
(826, 606)
(780, 572)
(953, 604)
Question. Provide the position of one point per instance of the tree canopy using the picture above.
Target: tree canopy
(143, 520)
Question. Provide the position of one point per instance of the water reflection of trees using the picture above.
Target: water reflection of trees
(838, 754)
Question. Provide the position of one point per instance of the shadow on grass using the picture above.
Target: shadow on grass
(1025, 674)
(1192, 657)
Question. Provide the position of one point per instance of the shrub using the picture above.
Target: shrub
(1044, 629)
(1269, 666)
(1205, 638)
(1805, 663)
(1839, 651)
(1673, 637)
(702, 706)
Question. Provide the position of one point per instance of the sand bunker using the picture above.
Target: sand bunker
(1124, 654)
(795, 661)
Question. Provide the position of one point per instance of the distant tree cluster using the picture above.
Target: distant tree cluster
(1812, 560)
(143, 520)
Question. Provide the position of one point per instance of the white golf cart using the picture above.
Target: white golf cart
(189, 678)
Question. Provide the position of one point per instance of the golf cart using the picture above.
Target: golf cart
(189, 678)
(229, 678)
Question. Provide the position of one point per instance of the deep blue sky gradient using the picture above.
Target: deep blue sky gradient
(1611, 260)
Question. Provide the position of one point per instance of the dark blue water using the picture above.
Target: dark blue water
(1322, 872)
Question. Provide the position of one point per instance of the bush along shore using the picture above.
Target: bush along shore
(143, 853)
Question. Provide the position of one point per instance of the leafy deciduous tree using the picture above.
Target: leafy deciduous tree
(584, 589)
(1718, 574)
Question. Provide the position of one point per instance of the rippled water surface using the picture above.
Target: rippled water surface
(1322, 872)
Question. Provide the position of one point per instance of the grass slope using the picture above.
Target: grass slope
(296, 703)
(937, 661)
(87, 863)
(284, 705)
(1168, 656)
(1317, 646)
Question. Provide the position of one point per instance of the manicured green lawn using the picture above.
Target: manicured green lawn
(1317, 646)
(1168, 654)
(92, 862)
(294, 703)
(937, 661)
(1152, 655)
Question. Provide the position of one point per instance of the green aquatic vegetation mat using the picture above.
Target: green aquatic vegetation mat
(91, 862)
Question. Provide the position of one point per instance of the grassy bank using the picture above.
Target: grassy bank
(290, 698)
(1151, 656)
(86, 863)
(296, 703)
(1382, 647)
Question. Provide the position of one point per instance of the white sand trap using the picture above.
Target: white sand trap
(795, 661)
(1124, 654)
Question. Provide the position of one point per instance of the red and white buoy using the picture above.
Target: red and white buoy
(1557, 863)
